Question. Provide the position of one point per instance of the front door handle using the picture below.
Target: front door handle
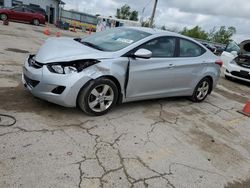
(170, 66)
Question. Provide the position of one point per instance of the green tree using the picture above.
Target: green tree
(134, 15)
(125, 13)
(146, 23)
(223, 35)
(196, 32)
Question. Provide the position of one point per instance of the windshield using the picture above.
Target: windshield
(232, 46)
(114, 39)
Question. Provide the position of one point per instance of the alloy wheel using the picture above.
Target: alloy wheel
(36, 22)
(202, 90)
(101, 98)
(4, 17)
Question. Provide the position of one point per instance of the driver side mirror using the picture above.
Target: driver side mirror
(143, 53)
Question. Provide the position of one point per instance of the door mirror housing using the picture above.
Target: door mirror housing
(234, 53)
(143, 53)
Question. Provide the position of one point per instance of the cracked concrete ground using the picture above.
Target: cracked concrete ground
(159, 143)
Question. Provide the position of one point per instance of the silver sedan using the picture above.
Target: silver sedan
(120, 65)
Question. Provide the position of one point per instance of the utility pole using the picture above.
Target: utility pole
(153, 14)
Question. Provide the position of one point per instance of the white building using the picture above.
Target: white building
(52, 7)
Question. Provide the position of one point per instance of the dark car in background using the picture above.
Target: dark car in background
(210, 47)
(22, 14)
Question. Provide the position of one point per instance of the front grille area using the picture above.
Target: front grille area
(33, 63)
(242, 74)
(30, 82)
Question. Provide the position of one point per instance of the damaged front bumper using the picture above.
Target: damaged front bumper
(61, 89)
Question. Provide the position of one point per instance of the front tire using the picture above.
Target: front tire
(202, 90)
(3, 17)
(98, 97)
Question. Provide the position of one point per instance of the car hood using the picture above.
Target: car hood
(245, 47)
(65, 49)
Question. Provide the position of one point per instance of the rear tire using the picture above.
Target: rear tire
(98, 97)
(36, 22)
(3, 17)
(202, 90)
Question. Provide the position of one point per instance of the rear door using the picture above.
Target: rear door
(29, 14)
(188, 64)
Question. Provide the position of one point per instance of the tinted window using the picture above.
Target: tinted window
(161, 47)
(190, 49)
(18, 9)
(28, 10)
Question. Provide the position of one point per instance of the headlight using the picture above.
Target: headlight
(71, 67)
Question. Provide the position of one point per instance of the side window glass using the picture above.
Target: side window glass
(161, 47)
(232, 46)
(18, 9)
(189, 49)
(28, 10)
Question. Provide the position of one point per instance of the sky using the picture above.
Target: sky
(179, 13)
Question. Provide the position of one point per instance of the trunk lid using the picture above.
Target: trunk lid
(243, 58)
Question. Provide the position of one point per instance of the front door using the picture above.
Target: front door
(17, 13)
(154, 76)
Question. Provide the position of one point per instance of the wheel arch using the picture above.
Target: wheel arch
(110, 77)
(118, 85)
(5, 14)
(35, 18)
(212, 82)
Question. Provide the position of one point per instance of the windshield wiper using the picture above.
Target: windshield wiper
(92, 45)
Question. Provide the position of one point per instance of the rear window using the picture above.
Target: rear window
(190, 49)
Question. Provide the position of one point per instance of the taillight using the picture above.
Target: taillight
(219, 62)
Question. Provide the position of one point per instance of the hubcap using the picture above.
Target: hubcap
(36, 22)
(3, 17)
(202, 90)
(101, 98)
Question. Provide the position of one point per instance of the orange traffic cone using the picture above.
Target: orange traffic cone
(46, 30)
(58, 34)
(246, 109)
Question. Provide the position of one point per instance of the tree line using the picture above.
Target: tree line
(222, 34)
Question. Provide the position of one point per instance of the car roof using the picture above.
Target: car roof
(155, 31)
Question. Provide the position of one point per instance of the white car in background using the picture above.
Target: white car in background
(236, 60)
